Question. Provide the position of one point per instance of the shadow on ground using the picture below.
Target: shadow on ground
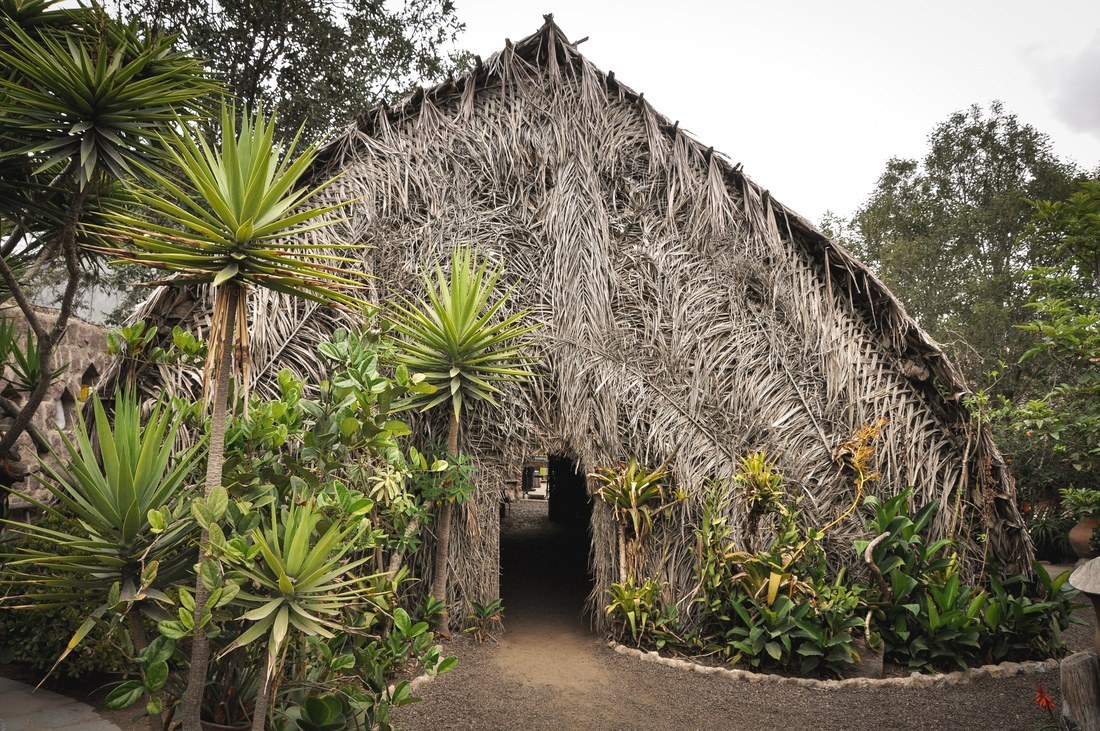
(544, 583)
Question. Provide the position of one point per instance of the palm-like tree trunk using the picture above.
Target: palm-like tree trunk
(263, 694)
(191, 702)
(440, 573)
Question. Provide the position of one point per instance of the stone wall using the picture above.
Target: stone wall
(83, 353)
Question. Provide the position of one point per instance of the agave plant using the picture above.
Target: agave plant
(297, 583)
(126, 486)
(451, 338)
(228, 220)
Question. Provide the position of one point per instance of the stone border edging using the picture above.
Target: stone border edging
(417, 682)
(421, 680)
(913, 680)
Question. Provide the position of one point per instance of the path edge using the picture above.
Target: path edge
(913, 680)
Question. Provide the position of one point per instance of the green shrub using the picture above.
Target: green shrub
(36, 638)
(1049, 529)
(930, 620)
(1024, 620)
(775, 609)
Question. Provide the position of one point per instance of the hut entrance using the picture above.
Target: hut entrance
(544, 552)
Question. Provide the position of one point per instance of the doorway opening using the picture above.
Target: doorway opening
(544, 550)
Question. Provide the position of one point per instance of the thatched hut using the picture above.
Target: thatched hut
(683, 309)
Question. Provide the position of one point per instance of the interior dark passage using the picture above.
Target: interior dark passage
(544, 549)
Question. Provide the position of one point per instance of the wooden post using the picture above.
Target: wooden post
(1081, 690)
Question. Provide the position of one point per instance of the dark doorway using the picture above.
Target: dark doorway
(568, 493)
(544, 552)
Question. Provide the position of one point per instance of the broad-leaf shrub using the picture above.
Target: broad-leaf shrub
(775, 609)
(318, 489)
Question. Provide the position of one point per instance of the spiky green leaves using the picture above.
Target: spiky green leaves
(300, 580)
(231, 213)
(111, 483)
(96, 94)
(454, 337)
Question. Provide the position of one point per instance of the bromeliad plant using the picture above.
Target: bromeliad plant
(636, 496)
(636, 608)
(760, 483)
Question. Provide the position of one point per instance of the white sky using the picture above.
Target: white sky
(814, 97)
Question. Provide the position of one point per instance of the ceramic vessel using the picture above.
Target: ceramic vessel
(1080, 536)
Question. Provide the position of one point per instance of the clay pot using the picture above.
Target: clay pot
(1081, 534)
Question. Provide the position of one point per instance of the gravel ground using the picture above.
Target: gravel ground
(617, 692)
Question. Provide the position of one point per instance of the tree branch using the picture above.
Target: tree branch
(20, 298)
(12, 242)
(12, 409)
(47, 341)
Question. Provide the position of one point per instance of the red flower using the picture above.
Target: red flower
(1043, 699)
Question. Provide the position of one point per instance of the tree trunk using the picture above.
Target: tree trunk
(191, 701)
(263, 695)
(443, 539)
(1080, 697)
(47, 341)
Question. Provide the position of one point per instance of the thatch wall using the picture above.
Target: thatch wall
(682, 308)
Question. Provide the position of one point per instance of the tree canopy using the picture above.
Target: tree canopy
(1065, 331)
(946, 232)
(320, 62)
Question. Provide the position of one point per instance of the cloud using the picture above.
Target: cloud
(1073, 86)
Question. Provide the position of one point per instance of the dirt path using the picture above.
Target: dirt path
(548, 641)
(548, 672)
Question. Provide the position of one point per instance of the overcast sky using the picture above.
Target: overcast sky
(814, 97)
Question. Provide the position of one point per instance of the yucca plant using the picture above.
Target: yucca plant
(126, 486)
(99, 105)
(454, 338)
(297, 583)
(83, 100)
(228, 219)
